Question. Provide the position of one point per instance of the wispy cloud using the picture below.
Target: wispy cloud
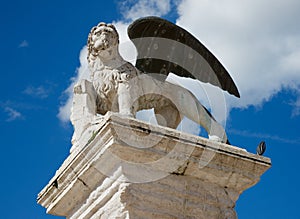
(12, 114)
(23, 44)
(38, 92)
(18, 109)
(296, 107)
(263, 136)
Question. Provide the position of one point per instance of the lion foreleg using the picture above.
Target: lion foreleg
(126, 99)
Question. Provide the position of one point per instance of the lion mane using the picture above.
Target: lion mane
(106, 80)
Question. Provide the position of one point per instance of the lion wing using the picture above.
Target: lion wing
(164, 47)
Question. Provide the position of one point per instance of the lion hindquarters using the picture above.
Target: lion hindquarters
(188, 105)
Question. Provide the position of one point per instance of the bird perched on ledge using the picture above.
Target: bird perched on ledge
(261, 148)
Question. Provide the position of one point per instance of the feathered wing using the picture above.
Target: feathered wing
(164, 47)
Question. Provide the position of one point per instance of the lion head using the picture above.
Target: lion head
(101, 38)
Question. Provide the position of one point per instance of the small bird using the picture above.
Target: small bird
(261, 148)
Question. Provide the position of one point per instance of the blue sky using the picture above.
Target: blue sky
(41, 44)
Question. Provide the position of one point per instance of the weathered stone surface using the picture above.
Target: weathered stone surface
(131, 169)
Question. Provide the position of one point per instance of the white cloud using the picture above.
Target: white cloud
(133, 9)
(291, 61)
(12, 114)
(264, 136)
(258, 42)
(127, 48)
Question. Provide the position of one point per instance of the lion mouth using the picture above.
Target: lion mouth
(101, 44)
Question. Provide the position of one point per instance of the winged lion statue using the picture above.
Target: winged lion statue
(118, 86)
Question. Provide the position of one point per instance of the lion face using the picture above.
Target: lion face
(101, 38)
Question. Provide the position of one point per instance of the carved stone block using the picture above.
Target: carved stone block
(131, 169)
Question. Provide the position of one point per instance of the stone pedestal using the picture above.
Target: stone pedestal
(125, 168)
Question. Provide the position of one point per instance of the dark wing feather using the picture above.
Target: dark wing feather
(164, 47)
